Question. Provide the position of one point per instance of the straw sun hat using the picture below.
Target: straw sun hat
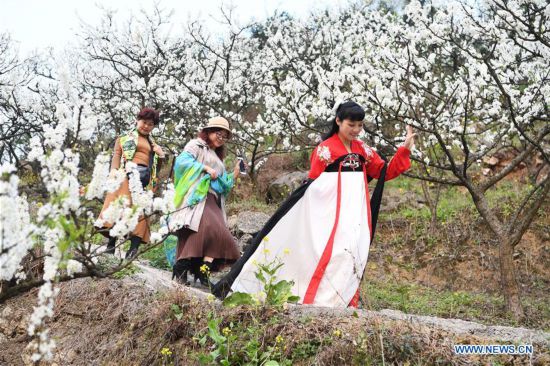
(218, 122)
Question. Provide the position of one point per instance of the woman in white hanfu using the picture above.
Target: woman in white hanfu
(326, 226)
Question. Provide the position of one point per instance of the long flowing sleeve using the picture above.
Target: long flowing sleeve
(186, 171)
(400, 163)
(223, 184)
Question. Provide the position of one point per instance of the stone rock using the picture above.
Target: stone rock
(283, 186)
(70, 356)
(392, 200)
(26, 356)
(7, 313)
(21, 327)
(244, 241)
(232, 222)
(249, 222)
(4, 326)
(492, 161)
(459, 326)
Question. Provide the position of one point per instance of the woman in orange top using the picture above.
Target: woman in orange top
(139, 148)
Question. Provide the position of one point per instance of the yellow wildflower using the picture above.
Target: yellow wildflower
(265, 238)
(226, 331)
(204, 269)
(266, 251)
(286, 251)
(279, 339)
(166, 351)
(337, 333)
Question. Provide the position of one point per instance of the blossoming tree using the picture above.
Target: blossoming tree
(471, 80)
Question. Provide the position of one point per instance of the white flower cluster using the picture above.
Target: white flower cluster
(100, 177)
(15, 226)
(259, 164)
(142, 200)
(43, 345)
(73, 267)
(166, 202)
(46, 296)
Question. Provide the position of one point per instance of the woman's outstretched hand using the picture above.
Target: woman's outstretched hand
(409, 140)
(211, 171)
(236, 169)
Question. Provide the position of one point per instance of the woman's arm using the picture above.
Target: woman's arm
(398, 164)
(117, 155)
(320, 157)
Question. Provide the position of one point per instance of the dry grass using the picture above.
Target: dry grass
(119, 322)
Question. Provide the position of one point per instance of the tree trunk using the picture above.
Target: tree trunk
(510, 288)
(432, 202)
(508, 283)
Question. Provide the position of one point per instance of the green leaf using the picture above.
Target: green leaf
(214, 354)
(205, 359)
(238, 298)
(175, 308)
(260, 276)
(293, 299)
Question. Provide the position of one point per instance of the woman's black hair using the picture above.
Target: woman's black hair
(348, 110)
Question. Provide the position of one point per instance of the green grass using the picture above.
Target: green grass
(98, 239)
(421, 300)
(452, 200)
(128, 271)
(157, 258)
(505, 197)
(253, 203)
(412, 298)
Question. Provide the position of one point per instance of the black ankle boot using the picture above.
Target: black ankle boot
(202, 271)
(110, 246)
(180, 270)
(135, 241)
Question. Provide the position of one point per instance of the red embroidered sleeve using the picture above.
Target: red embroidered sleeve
(398, 164)
(320, 158)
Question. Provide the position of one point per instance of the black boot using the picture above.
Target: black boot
(135, 241)
(110, 246)
(180, 270)
(202, 271)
